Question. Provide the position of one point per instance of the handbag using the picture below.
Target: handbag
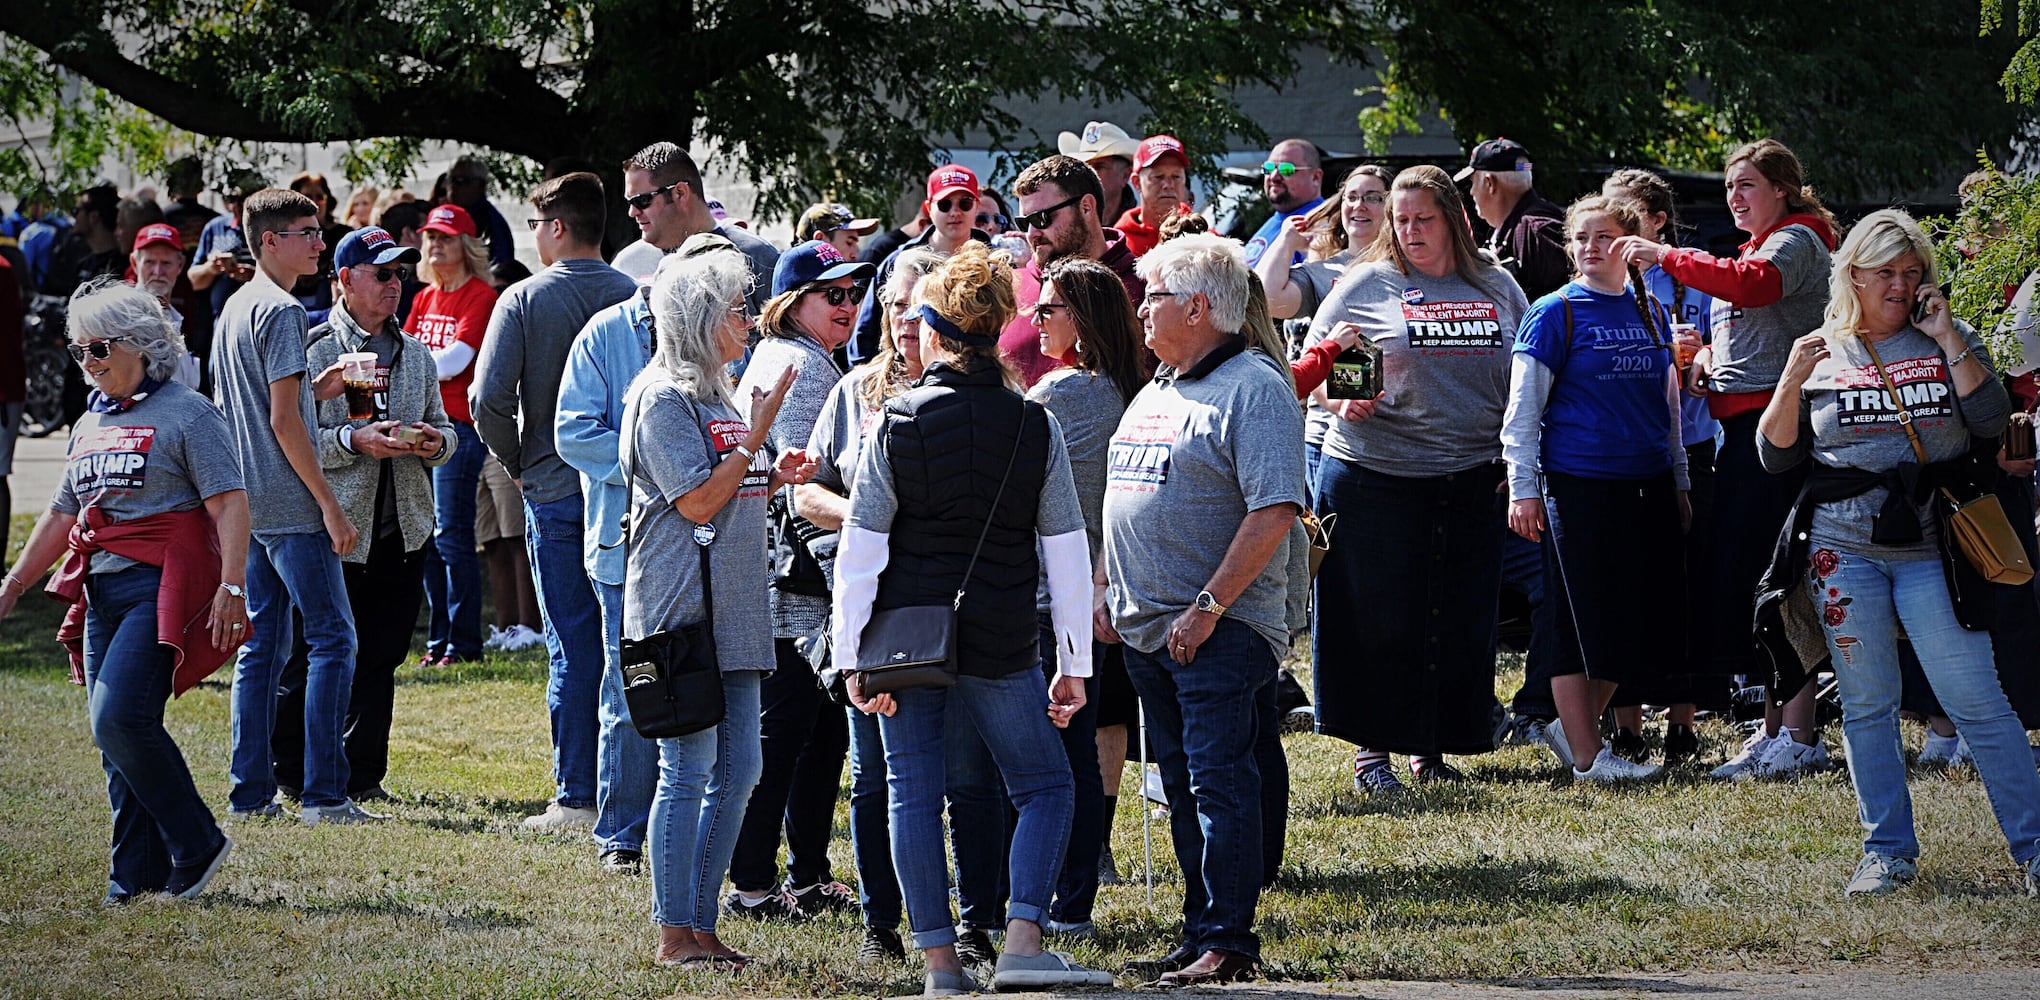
(672, 680)
(1979, 527)
(1318, 528)
(915, 646)
(795, 570)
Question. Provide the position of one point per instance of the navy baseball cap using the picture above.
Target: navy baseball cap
(1496, 155)
(815, 261)
(371, 245)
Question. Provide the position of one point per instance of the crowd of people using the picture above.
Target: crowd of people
(1130, 461)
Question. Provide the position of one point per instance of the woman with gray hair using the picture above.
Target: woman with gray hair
(697, 479)
(152, 476)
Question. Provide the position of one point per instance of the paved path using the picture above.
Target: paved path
(38, 465)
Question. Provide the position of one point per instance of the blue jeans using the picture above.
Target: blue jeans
(573, 641)
(1011, 714)
(286, 571)
(1203, 722)
(159, 819)
(627, 770)
(1077, 889)
(453, 576)
(704, 783)
(1883, 595)
(980, 820)
(878, 886)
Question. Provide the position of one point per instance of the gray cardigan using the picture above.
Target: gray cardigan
(413, 397)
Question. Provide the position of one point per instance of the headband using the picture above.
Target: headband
(928, 316)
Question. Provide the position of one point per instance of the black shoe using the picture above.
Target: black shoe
(974, 947)
(187, 881)
(621, 862)
(881, 944)
(1108, 869)
(1148, 970)
(775, 906)
(1432, 770)
(373, 793)
(1628, 744)
(291, 793)
(1682, 745)
(824, 897)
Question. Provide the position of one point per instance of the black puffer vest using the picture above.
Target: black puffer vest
(949, 440)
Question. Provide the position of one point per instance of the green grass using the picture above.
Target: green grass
(1515, 874)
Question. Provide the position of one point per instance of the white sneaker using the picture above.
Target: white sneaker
(1878, 874)
(1610, 769)
(518, 637)
(345, 814)
(1553, 735)
(1788, 758)
(1945, 751)
(559, 817)
(495, 639)
(1753, 751)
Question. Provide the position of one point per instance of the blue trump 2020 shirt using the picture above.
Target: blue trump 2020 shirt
(1608, 416)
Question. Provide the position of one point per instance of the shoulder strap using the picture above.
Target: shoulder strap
(1904, 415)
(1018, 432)
(1566, 301)
(629, 536)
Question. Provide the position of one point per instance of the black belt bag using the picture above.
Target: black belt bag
(672, 680)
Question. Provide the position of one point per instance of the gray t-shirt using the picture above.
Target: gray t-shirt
(260, 338)
(1848, 420)
(1087, 406)
(169, 452)
(1750, 345)
(665, 445)
(1445, 347)
(793, 615)
(1191, 458)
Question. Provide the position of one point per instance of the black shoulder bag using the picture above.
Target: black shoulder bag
(915, 646)
(672, 680)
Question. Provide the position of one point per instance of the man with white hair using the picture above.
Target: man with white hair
(157, 266)
(1213, 448)
(1529, 232)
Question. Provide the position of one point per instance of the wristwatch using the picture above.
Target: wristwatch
(1208, 603)
(234, 591)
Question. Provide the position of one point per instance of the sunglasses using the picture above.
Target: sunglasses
(644, 201)
(1041, 219)
(1272, 167)
(99, 349)
(383, 275)
(956, 203)
(1044, 310)
(835, 294)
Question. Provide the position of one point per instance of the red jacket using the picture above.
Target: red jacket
(187, 548)
(1311, 370)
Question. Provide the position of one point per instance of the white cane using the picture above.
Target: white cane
(1147, 812)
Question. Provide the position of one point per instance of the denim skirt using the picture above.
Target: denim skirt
(1403, 644)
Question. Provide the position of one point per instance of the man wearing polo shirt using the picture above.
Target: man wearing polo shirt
(953, 197)
(1203, 483)
(1162, 172)
(1293, 180)
(835, 225)
(1107, 149)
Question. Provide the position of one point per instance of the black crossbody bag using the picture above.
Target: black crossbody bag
(672, 680)
(915, 646)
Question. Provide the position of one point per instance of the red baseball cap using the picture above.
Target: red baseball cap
(1155, 147)
(952, 178)
(157, 232)
(452, 220)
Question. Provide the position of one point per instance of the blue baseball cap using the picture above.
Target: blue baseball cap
(814, 261)
(371, 245)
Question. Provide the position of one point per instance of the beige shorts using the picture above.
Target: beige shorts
(499, 504)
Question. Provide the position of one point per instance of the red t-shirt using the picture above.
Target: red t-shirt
(441, 319)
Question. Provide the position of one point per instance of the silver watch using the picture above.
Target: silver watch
(234, 591)
(1208, 603)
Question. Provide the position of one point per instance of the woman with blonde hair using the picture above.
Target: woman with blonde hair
(450, 315)
(920, 505)
(360, 208)
(1886, 399)
(1405, 634)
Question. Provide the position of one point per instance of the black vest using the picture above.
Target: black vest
(949, 440)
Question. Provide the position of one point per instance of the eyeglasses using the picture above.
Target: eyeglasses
(533, 224)
(99, 349)
(741, 311)
(313, 233)
(1041, 219)
(1149, 298)
(1285, 169)
(835, 294)
(383, 275)
(1044, 310)
(644, 201)
(1373, 199)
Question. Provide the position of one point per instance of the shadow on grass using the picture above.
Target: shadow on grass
(495, 667)
(463, 814)
(1490, 884)
(475, 919)
(1441, 800)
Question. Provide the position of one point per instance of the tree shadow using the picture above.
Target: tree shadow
(1475, 884)
(471, 919)
(1455, 799)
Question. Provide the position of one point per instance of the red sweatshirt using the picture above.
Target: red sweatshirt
(187, 548)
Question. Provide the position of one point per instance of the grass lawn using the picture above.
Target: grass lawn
(1513, 874)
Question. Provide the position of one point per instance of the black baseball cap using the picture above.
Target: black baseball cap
(1494, 154)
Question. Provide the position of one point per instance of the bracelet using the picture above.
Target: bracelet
(8, 582)
(1957, 359)
(749, 455)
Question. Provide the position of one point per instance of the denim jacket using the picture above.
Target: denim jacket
(607, 355)
(413, 397)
